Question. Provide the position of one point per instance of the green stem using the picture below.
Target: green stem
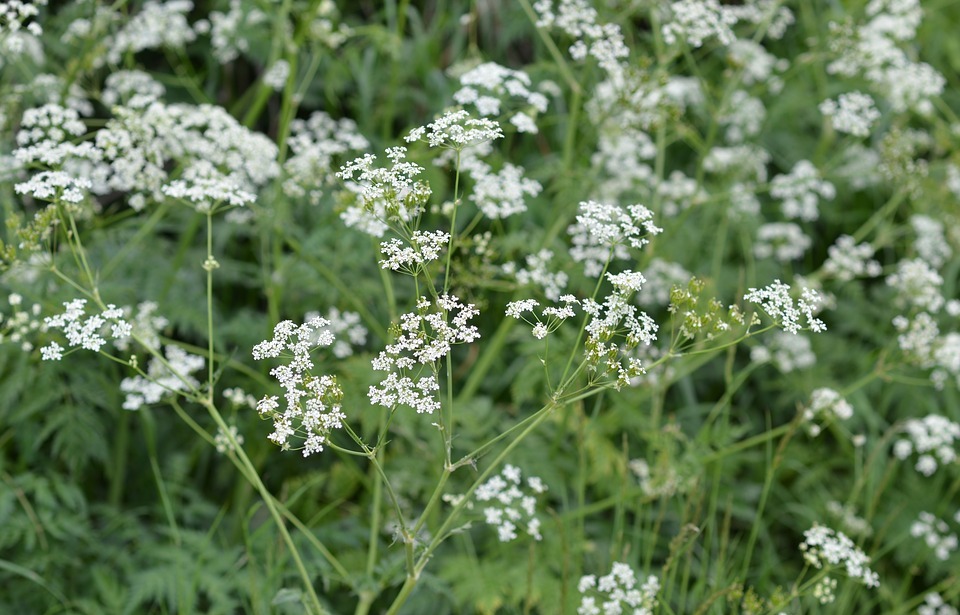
(254, 477)
(441, 534)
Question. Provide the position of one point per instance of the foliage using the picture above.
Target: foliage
(479, 307)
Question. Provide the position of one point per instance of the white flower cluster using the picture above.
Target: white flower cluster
(423, 338)
(678, 192)
(801, 190)
(776, 301)
(758, 66)
(132, 88)
(953, 180)
(83, 331)
(696, 21)
(222, 441)
(239, 398)
(228, 30)
(549, 319)
(824, 546)
(276, 76)
(163, 378)
(206, 188)
(340, 324)
(385, 194)
(14, 36)
(314, 144)
(456, 130)
(930, 243)
(20, 326)
(826, 405)
(45, 137)
(620, 153)
(786, 351)
(15, 13)
(936, 534)
(55, 186)
(603, 231)
(933, 438)
(665, 479)
(874, 51)
(784, 241)
(917, 284)
(158, 25)
(616, 327)
(498, 194)
(614, 593)
(578, 19)
(744, 118)
(918, 338)
(922, 345)
(933, 604)
(846, 260)
(824, 590)
(747, 161)
(853, 113)
(486, 85)
(507, 507)
(946, 358)
(145, 325)
(424, 246)
(536, 273)
(140, 144)
(313, 402)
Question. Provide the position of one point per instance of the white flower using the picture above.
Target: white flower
(276, 76)
(313, 406)
(387, 193)
(776, 301)
(853, 113)
(83, 331)
(507, 505)
(206, 188)
(157, 25)
(163, 378)
(917, 284)
(784, 241)
(828, 405)
(823, 546)
(801, 190)
(132, 88)
(605, 230)
(536, 273)
(935, 533)
(424, 337)
(930, 243)
(500, 83)
(618, 593)
(456, 130)
(55, 186)
(933, 438)
(933, 604)
(847, 260)
(315, 143)
(787, 351)
(222, 441)
(424, 247)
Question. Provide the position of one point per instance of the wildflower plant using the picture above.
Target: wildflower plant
(290, 296)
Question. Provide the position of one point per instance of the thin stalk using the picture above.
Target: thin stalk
(254, 477)
(441, 534)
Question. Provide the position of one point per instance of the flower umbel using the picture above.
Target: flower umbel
(312, 402)
(616, 592)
